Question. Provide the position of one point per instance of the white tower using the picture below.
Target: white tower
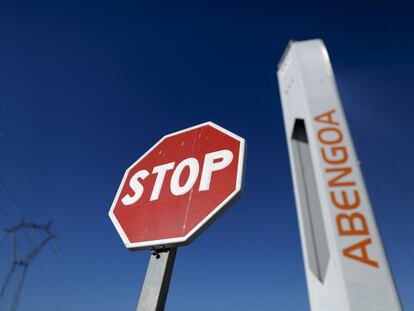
(345, 263)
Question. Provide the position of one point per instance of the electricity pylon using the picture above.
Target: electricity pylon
(21, 262)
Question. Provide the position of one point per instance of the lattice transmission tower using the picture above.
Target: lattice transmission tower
(20, 262)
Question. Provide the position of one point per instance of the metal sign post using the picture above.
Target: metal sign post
(157, 280)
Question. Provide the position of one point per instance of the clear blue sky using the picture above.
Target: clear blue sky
(87, 87)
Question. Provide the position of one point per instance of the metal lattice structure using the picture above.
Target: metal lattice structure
(20, 262)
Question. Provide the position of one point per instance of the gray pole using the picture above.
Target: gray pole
(157, 280)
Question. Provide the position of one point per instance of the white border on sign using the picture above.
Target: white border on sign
(200, 226)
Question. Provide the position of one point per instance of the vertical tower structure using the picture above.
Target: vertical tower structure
(345, 264)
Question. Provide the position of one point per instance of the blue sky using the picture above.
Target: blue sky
(87, 87)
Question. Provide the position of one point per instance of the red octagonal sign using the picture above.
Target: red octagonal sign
(178, 187)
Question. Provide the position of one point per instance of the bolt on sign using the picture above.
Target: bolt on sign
(345, 263)
(178, 187)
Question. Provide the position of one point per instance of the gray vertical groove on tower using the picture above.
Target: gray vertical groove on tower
(317, 245)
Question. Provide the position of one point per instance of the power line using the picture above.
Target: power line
(6, 214)
(13, 197)
(65, 289)
(47, 284)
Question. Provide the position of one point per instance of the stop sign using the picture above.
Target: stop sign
(170, 194)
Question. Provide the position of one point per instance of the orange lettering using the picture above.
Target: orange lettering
(343, 171)
(351, 228)
(345, 202)
(339, 155)
(350, 253)
(325, 138)
(326, 117)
